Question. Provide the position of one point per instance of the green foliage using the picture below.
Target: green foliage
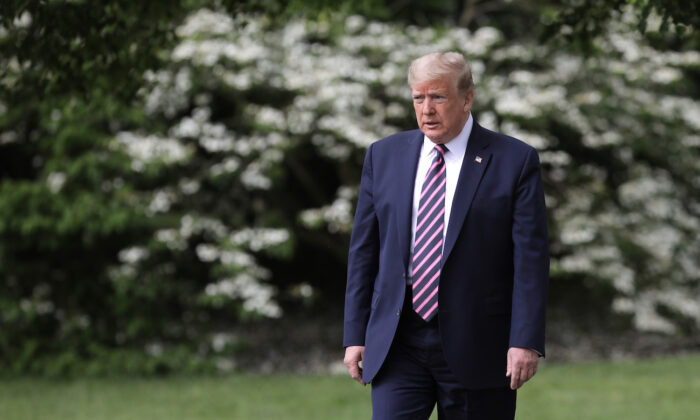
(582, 22)
(96, 360)
(620, 201)
(72, 200)
(164, 181)
(83, 47)
(409, 11)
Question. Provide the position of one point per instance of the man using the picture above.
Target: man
(448, 261)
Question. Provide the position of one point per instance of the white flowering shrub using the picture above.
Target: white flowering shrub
(140, 237)
(265, 127)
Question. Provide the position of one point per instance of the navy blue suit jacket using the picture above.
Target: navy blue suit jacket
(495, 263)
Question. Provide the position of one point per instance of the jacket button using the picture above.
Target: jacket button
(398, 313)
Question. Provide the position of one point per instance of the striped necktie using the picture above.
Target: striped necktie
(427, 247)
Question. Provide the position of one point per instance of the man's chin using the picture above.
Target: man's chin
(434, 135)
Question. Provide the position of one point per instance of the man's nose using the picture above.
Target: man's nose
(428, 107)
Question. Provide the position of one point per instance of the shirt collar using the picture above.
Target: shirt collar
(457, 146)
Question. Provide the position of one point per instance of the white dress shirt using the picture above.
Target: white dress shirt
(456, 148)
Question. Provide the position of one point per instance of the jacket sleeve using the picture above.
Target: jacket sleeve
(363, 260)
(530, 259)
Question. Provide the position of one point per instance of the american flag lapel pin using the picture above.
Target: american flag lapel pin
(477, 159)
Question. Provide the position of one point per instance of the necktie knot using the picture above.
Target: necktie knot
(441, 149)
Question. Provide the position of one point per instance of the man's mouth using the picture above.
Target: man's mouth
(431, 124)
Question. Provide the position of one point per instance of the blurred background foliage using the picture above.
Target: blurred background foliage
(175, 175)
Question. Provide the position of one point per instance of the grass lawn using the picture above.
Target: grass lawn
(654, 389)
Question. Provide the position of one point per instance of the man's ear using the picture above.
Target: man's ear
(469, 101)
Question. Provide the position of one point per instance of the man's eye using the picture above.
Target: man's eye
(418, 99)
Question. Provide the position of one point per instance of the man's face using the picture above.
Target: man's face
(441, 111)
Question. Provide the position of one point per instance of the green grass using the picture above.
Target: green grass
(652, 389)
(661, 389)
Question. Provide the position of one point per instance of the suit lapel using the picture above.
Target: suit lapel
(405, 176)
(476, 160)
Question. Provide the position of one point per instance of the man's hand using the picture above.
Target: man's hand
(353, 357)
(521, 366)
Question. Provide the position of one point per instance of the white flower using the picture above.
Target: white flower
(588, 98)
(237, 258)
(640, 190)
(535, 140)
(154, 348)
(566, 66)
(522, 77)
(161, 202)
(269, 116)
(171, 238)
(488, 120)
(207, 252)
(556, 158)
(622, 277)
(133, 254)
(305, 290)
(660, 240)
(228, 165)
(220, 340)
(189, 186)
(257, 297)
(623, 305)
(484, 38)
(55, 181)
(254, 178)
(514, 102)
(190, 225)
(577, 230)
(647, 318)
(260, 238)
(576, 263)
(206, 22)
(23, 21)
(666, 75)
(187, 127)
(354, 23)
(146, 149)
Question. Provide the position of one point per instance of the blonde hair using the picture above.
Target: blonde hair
(441, 64)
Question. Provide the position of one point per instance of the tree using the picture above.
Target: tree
(164, 183)
(69, 202)
(308, 97)
(583, 21)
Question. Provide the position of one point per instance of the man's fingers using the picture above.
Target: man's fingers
(522, 375)
(529, 369)
(515, 378)
(356, 374)
(532, 372)
(353, 360)
(521, 366)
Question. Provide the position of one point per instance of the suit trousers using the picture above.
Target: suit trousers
(415, 376)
